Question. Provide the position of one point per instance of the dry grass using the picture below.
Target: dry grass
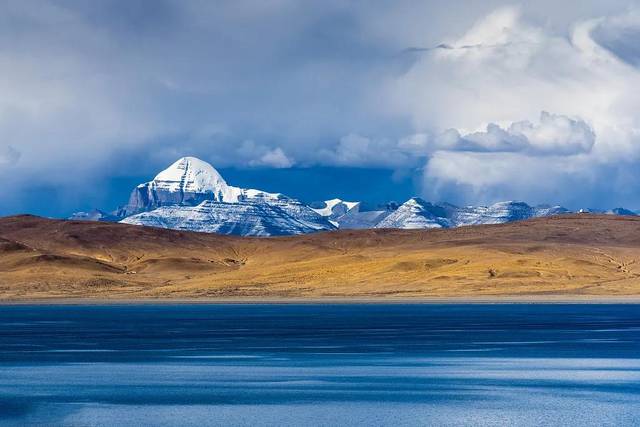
(568, 256)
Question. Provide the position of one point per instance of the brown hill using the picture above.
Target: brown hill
(565, 256)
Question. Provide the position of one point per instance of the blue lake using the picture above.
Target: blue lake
(340, 364)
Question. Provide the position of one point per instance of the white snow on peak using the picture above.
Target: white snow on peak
(351, 205)
(335, 208)
(191, 195)
(244, 218)
(251, 193)
(191, 175)
(414, 202)
(416, 213)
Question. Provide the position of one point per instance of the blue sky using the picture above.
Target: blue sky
(468, 102)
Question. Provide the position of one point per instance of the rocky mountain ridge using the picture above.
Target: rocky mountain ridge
(191, 195)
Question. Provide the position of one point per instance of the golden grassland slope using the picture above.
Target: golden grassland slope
(566, 256)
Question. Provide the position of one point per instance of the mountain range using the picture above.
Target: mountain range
(191, 195)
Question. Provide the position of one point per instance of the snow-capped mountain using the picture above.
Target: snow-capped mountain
(336, 208)
(621, 211)
(189, 181)
(241, 218)
(191, 195)
(347, 215)
(416, 213)
(500, 213)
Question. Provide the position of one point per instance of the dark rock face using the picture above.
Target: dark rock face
(147, 197)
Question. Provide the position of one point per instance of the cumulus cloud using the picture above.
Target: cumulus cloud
(275, 158)
(553, 135)
(478, 93)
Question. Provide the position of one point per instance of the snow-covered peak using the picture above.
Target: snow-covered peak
(182, 189)
(621, 211)
(259, 195)
(190, 175)
(414, 202)
(286, 217)
(335, 208)
(189, 181)
(416, 213)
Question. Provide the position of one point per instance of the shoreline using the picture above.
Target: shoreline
(327, 301)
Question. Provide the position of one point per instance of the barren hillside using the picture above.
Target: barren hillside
(572, 255)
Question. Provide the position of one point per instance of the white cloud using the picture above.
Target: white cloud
(479, 177)
(275, 158)
(494, 138)
(553, 135)
(478, 91)
(363, 151)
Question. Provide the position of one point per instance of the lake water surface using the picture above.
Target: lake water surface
(341, 364)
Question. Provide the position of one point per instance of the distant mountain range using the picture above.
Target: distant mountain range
(191, 195)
